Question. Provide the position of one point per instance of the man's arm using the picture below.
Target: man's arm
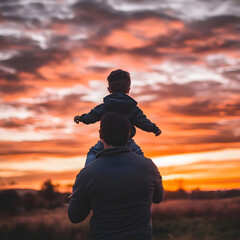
(158, 190)
(93, 116)
(141, 121)
(79, 205)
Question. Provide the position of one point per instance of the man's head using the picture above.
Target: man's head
(114, 129)
(119, 81)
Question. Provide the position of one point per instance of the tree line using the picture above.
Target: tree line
(48, 197)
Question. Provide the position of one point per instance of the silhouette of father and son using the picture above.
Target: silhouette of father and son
(117, 183)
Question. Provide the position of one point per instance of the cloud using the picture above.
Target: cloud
(17, 111)
(55, 57)
(206, 108)
(55, 148)
(15, 123)
(233, 74)
(7, 88)
(216, 22)
(40, 11)
(182, 9)
(30, 61)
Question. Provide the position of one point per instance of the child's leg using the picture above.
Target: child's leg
(134, 147)
(91, 156)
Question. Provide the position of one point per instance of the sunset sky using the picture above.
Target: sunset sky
(184, 61)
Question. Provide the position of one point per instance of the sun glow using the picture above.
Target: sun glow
(55, 58)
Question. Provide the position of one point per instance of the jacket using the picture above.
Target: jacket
(119, 187)
(124, 104)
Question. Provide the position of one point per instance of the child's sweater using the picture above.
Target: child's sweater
(124, 104)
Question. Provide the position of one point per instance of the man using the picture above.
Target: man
(119, 186)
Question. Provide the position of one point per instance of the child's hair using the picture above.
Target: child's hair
(119, 81)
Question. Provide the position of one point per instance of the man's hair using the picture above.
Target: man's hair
(115, 129)
(119, 81)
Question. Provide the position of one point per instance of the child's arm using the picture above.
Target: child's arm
(93, 116)
(141, 121)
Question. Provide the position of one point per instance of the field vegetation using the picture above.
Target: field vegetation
(216, 219)
(180, 219)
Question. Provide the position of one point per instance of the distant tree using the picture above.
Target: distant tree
(50, 194)
(181, 194)
(11, 183)
(48, 190)
(6, 184)
(10, 201)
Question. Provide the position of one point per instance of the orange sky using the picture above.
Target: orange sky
(184, 64)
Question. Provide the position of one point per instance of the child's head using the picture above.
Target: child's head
(119, 81)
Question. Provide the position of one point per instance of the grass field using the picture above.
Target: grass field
(175, 219)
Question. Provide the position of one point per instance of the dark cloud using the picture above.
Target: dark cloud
(54, 148)
(98, 69)
(12, 87)
(55, 107)
(34, 12)
(106, 19)
(86, 9)
(9, 43)
(16, 123)
(224, 132)
(189, 90)
(100, 20)
(233, 74)
(211, 23)
(23, 124)
(197, 31)
(223, 137)
(10, 77)
(192, 126)
(31, 61)
(185, 59)
(147, 51)
(230, 44)
(220, 138)
(206, 108)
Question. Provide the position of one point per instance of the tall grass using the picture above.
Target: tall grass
(178, 209)
(197, 220)
(196, 229)
(175, 219)
(43, 225)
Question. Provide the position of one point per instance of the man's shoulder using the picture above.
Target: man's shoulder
(145, 160)
(123, 155)
(139, 160)
(93, 166)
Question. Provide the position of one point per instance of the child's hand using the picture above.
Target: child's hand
(77, 119)
(158, 132)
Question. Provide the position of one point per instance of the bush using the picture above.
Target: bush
(30, 201)
(10, 201)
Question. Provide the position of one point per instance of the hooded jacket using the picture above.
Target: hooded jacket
(124, 104)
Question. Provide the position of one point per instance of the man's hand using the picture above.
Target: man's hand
(158, 132)
(77, 119)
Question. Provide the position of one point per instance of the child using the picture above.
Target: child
(118, 86)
